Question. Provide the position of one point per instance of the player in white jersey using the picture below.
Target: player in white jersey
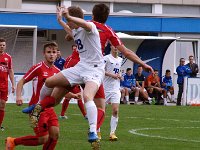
(112, 87)
(89, 71)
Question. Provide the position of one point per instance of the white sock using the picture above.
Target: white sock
(149, 98)
(99, 130)
(172, 98)
(91, 111)
(45, 91)
(113, 124)
(127, 98)
(165, 101)
(136, 99)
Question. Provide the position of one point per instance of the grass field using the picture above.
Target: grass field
(140, 128)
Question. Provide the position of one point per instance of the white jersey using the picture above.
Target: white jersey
(89, 46)
(112, 65)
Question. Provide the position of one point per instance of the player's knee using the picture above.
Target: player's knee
(55, 135)
(49, 83)
(43, 139)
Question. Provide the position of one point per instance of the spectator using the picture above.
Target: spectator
(140, 78)
(154, 89)
(193, 67)
(182, 71)
(60, 61)
(168, 85)
(129, 85)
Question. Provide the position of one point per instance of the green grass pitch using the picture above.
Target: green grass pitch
(144, 127)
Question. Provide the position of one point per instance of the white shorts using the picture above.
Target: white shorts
(82, 73)
(113, 97)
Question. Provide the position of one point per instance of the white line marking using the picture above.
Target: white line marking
(135, 131)
(175, 120)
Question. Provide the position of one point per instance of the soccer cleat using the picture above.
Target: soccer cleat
(99, 135)
(113, 137)
(2, 128)
(29, 109)
(35, 115)
(63, 117)
(93, 139)
(10, 144)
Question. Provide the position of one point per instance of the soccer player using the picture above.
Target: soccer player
(89, 71)
(71, 61)
(6, 69)
(112, 87)
(47, 131)
(60, 61)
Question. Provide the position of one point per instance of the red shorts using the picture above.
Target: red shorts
(48, 118)
(100, 93)
(4, 95)
(75, 89)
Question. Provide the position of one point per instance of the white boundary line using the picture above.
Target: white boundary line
(175, 120)
(135, 132)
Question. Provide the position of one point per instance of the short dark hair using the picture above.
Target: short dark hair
(2, 40)
(139, 66)
(50, 45)
(100, 12)
(76, 11)
(167, 71)
(155, 70)
(128, 69)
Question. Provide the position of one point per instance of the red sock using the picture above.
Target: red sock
(65, 105)
(81, 106)
(1, 116)
(47, 102)
(50, 144)
(27, 141)
(100, 117)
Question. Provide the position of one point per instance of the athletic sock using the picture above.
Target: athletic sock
(2, 113)
(27, 141)
(47, 102)
(91, 110)
(113, 124)
(127, 98)
(50, 144)
(65, 105)
(136, 99)
(45, 91)
(81, 107)
(100, 117)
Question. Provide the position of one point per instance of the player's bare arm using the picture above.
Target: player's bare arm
(78, 21)
(59, 13)
(19, 99)
(11, 76)
(133, 57)
(115, 76)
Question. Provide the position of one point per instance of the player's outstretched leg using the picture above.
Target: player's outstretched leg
(10, 144)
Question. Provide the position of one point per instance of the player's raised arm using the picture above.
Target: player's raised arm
(78, 21)
(59, 13)
(133, 57)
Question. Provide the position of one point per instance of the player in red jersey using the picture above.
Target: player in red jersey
(100, 14)
(71, 61)
(6, 70)
(47, 130)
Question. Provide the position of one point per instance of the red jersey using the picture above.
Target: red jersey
(38, 73)
(107, 35)
(5, 66)
(72, 60)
